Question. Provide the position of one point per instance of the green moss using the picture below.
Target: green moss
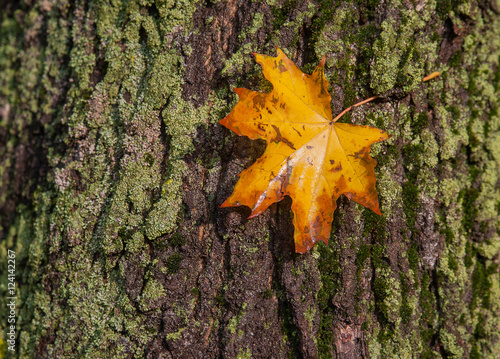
(428, 318)
(219, 299)
(257, 23)
(453, 350)
(394, 301)
(177, 240)
(175, 336)
(481, 284)
(406, 309)
(362, 255)
(135, 244)
(153, 290)
(450, 188)
(290, 331)
(410, 190)
(444, 7)
(173, 263)
(325, 341)
(244, 354)
(281, 13)
(468, 196)
(329, 21)
(387, 298)
(455, 59)
(420, 122)
(195, 291)
(309, 314)
(268, 293)
(384, 71)
(235, 320)
(413, 257)
(331, 270)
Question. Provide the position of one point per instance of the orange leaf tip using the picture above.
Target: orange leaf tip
(322, 62)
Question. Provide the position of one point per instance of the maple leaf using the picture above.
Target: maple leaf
(308, 156)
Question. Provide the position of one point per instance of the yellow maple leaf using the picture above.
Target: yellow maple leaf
(308, 157)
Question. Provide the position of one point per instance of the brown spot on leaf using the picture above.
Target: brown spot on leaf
(281, 67)
(361, 154)
(259, 101)
(280, 138)
(336, 169)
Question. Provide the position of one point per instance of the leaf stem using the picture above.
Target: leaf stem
(426, 78)
(356, 104)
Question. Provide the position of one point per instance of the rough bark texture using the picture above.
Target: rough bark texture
(113, 165)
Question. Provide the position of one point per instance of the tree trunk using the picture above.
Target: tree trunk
(113, 166)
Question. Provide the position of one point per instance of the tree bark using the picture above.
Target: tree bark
(113, 167)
